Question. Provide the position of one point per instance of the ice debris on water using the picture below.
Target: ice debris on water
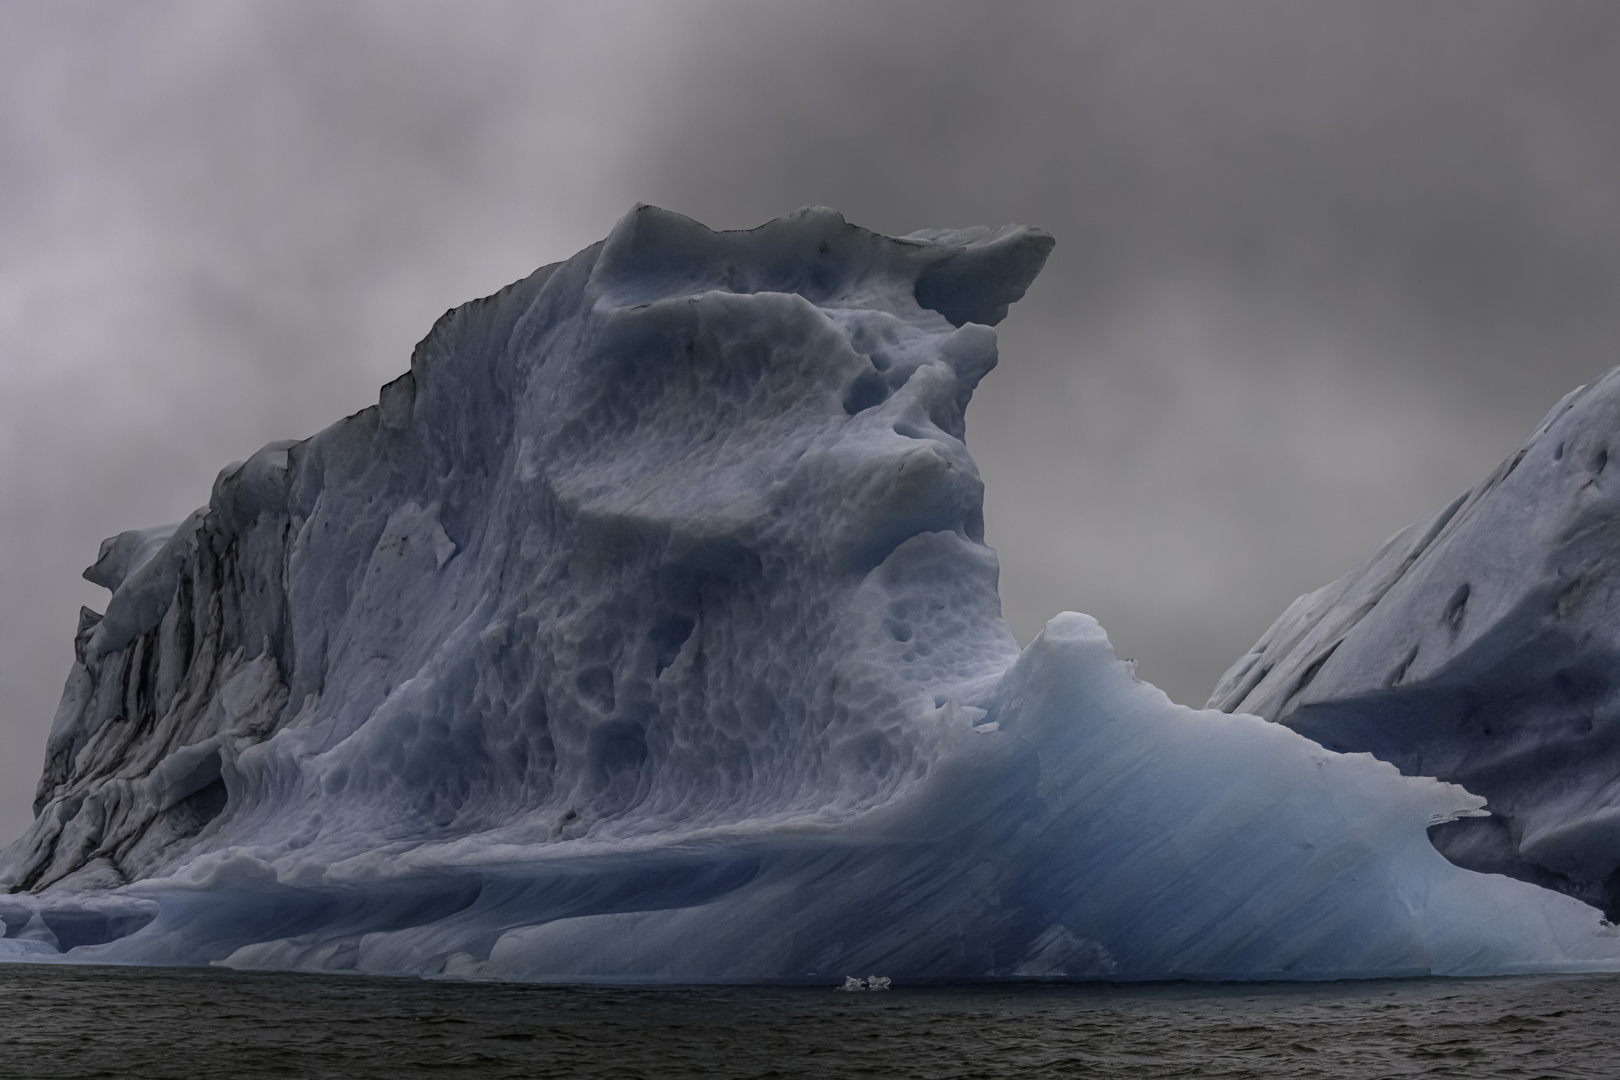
(645, 630)
(871, 982)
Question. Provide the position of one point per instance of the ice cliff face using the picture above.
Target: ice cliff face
(644, 630)
(1483, 647)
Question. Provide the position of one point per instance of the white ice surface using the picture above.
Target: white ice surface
(645, 631)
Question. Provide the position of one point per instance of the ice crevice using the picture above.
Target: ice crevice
(645, 631)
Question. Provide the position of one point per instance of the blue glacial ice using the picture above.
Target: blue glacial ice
(645, 631)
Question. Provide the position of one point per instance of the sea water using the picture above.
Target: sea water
(181, 1023)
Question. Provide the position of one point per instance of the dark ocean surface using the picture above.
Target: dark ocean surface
(145, 1022)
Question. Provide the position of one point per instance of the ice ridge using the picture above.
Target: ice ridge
(1483, 647)
(645, 631)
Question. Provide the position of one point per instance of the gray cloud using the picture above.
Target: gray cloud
(1319, 266)
(225, 223)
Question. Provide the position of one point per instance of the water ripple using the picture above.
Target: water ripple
(143, 1023)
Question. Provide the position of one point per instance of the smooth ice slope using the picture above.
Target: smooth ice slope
(645, 630)
(1483, 646)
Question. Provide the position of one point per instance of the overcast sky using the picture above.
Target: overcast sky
(1319, 266)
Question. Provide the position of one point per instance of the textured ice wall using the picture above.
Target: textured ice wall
(644, 630)
(1483, 646)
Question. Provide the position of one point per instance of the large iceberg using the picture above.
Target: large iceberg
(645, 630)
(1483, 646)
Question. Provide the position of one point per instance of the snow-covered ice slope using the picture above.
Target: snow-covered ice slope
(1483, 646)
(645, 630)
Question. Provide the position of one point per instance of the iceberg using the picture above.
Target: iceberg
(1482, 647)
(645, 631)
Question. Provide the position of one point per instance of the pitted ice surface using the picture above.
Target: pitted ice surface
(645, 630)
